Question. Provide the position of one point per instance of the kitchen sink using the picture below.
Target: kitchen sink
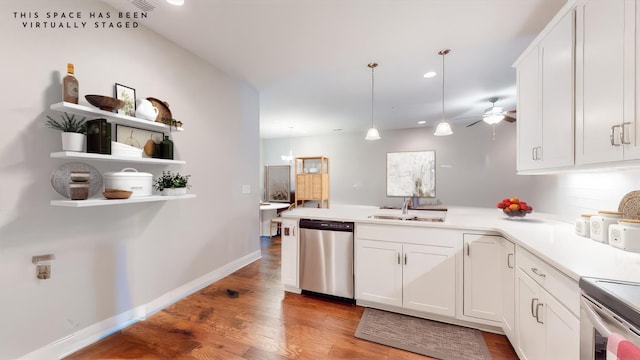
(408, 218)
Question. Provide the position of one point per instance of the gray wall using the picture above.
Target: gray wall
(473, 169)
(114, 258)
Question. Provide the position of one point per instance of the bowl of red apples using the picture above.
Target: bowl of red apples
(514, 208)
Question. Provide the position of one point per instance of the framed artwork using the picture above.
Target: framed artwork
(277, 183)
(411, 173)
(128, 95)
(139, 138)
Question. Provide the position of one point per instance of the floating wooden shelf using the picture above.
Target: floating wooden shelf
(104, 157)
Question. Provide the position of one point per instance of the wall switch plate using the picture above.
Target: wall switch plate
(246, 189)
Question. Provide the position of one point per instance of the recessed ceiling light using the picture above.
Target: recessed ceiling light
(422, 122)
(430, 74)
(176, 2)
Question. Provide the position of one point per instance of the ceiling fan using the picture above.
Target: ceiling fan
(494, 114)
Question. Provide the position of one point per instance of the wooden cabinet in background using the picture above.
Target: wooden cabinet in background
(312, 180)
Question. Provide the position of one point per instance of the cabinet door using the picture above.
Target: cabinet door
(379, 272)
(600, 74)
(289, 253)
(529, 124)
(429, 279)
(508, 261)
(557, 59)
(530, 344)
(562, 330)
(482, 272)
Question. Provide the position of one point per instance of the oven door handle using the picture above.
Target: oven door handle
(594, 318)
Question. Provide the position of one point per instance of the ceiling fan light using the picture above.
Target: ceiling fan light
(176, 2)
(372, 134)
(443, 129)
(493, 119)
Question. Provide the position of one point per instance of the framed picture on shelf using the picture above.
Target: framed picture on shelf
(139, 138)
(277, 183)
(128, 95)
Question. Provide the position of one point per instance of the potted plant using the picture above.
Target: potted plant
(172, 184)
(73, 131)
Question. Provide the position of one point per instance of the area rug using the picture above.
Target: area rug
(421, 336)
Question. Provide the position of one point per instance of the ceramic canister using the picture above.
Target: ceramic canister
(582, 225)
(625, 235)
(599, 225)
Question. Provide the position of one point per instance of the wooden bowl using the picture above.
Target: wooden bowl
(105, 103)
(116, 194)
(164, 114)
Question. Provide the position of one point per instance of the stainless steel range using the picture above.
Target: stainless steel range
(609, 315)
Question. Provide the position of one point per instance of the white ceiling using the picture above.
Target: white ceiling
(308, 58)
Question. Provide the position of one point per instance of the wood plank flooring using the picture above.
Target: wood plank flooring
(263, 322)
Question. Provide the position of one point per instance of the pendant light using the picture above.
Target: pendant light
(443, 128)
(372, 134)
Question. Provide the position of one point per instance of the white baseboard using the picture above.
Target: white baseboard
(84, 337)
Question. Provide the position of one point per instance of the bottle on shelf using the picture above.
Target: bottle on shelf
(166, 148)
(70, 86)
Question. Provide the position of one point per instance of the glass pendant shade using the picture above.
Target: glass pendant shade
(443, 129)
(493, 119)
(372, 134)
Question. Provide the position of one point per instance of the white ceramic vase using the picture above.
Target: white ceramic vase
(174, 192)
(73, 141)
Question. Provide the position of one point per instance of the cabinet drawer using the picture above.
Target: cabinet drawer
(409, 234)
(555, 282)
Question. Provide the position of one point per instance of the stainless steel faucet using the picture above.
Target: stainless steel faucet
(405, 206)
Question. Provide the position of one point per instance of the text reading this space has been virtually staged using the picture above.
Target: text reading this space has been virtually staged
(79, 19)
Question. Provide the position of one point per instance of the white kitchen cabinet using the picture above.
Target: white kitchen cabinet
(606, 80)
(545, 125)
(508, 279)
(289, 255)
(547, 324)
(482, 268)
(407, 267)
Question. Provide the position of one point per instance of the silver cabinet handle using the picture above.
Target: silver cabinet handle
(533, 153)
(509, 263)
(538, 306)
(612, 136)
(533, 307)
(535, 271)
(398, 258)
(468, 249)
(405, 259)
(622, 137)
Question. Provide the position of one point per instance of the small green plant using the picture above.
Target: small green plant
(169, 180)
(68, 124)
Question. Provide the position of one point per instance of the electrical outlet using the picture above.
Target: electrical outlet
(43, 271)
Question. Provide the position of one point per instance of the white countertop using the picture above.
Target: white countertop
(553, 241)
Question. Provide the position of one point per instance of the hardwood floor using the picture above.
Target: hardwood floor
(262, 322)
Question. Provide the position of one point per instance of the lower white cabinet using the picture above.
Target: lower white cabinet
(482, 268)
(508, 279)
(418, 273)
(289, 254)
(545, 327)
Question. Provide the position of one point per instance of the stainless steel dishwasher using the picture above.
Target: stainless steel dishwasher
(326, 258)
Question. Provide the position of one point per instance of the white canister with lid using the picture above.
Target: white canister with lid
(625, 235)
(582, 225)
(140, 183)
(599, 225)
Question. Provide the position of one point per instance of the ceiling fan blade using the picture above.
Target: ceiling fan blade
(473, 123)
(511, 114)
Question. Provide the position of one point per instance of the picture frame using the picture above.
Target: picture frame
(128, 95)
(278, 183)
(411, 174)
(138, 138)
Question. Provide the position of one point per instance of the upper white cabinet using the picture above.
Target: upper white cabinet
(545, 85)
(606, 113)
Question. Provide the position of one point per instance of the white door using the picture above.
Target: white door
(600, 79)
(289, 253)
(379, 272)
(482, 272)
(530, 344)
(529, 124)
(557, 59)
(429, 279)
(508, 261)
(562, 331)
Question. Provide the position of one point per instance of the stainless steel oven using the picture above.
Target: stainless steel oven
(609, 311)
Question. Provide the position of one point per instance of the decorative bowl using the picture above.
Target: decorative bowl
(514, 208)
(116, 194)
(105, 103)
